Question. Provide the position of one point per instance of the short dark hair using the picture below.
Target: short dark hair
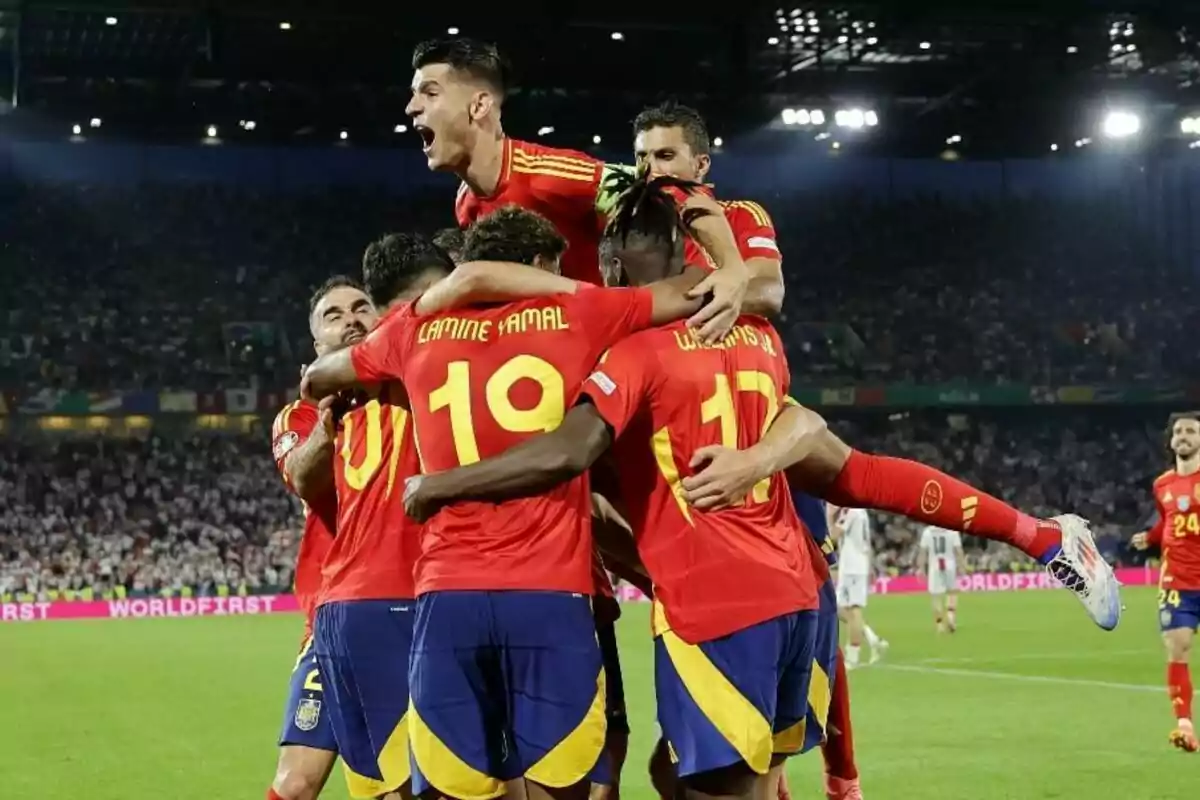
(480, 60)
(392, 263)
(451, 240)
(335, 282)
(513, 234)
(673, 115)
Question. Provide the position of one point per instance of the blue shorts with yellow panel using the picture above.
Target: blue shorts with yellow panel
(363, 649)
(504, 684)
(1178, 608)
(305, 719)
(820, 688)
(740, 698)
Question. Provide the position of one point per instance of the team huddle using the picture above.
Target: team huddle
(585, 382)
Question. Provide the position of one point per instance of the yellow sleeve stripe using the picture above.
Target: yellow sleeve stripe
(565, 162)
(281, 421)
(553, 173)
(761, 217)
(553, 165)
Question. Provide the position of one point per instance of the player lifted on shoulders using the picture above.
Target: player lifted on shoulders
(458, 91)
(1177, 534)
(939, 553)
(503, 614)
(851, 529)
(672, 139)
(820, 463)
(735, 592)
(302, 443)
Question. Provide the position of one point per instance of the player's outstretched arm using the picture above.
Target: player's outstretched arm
(532, 467)
(491, 282)
(726, 476)
(331, 373)
(764, 294)
(729, 283)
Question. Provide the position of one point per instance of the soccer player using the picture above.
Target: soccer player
(939, 554)
(820, 463)
(302, 444)
(672, 139)
(458, 91)
(1176, 533)
(851, 530)
(506, 672)
(735, 594)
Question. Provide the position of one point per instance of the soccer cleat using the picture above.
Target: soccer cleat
(879, 651)
(1184, 737)
(1079, 567)
(842, 789)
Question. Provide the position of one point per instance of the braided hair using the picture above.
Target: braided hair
(646, 216)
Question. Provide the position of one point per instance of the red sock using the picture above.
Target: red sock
(838, 748)
(273, 795)
(1179, 688)
(923, 493)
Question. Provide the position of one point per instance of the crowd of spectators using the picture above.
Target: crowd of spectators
(169, 515)
(204, 287)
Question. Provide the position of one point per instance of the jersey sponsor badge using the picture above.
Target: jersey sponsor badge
(1164, 617)
(284, 444)
(764, 242)
(605, 383)
(308, 714)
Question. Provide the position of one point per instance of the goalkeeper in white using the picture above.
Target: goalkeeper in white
(851, 529)
(940, 553)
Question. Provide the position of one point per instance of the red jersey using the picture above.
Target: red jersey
(752, 228)
(562, 186)
(666, 395)
(377, 543)
(291, 428)
(1177, 531)
(480, 381)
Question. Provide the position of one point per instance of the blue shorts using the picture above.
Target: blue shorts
(304, 724)
(740, 698)
(363, 651)
(820, 688)
(614, 711)
(1178, 609)
(504, 684)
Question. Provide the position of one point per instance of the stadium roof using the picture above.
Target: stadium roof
(1005, 80)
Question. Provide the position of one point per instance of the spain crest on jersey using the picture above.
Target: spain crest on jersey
(1184, 502)
(308, 714)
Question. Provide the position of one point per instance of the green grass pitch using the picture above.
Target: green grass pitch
(1028, 700)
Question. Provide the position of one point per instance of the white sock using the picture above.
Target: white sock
(872, 636)
(852, 654)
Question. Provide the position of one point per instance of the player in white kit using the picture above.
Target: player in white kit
(941, 552)
(851, 528)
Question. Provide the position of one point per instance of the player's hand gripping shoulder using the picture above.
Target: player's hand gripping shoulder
(729, 282)
(727, 475)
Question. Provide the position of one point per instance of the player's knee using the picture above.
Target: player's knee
(298, 784)
(1178, 643)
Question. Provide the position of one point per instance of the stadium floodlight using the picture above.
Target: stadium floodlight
(818, 117)
(843, 39)
(788, 116)
(76, 129)
(401, 128)
(925, 45)
(343, 135)
(452, 31)
(250, 125)
(1189, 125)
(871, 118)
(545, 130)
(1053, 148)
(803, 116)
(1121, 124)
(617, 36)
(774, 40)
(718, 142)
(872, 40)
(1072, 49)
(94, 122)
(285, 26)
(837, 145)
(852, 118)
(110, 21)
(955, 139)
(1194, 145)
(211, 130)
(596, 139)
